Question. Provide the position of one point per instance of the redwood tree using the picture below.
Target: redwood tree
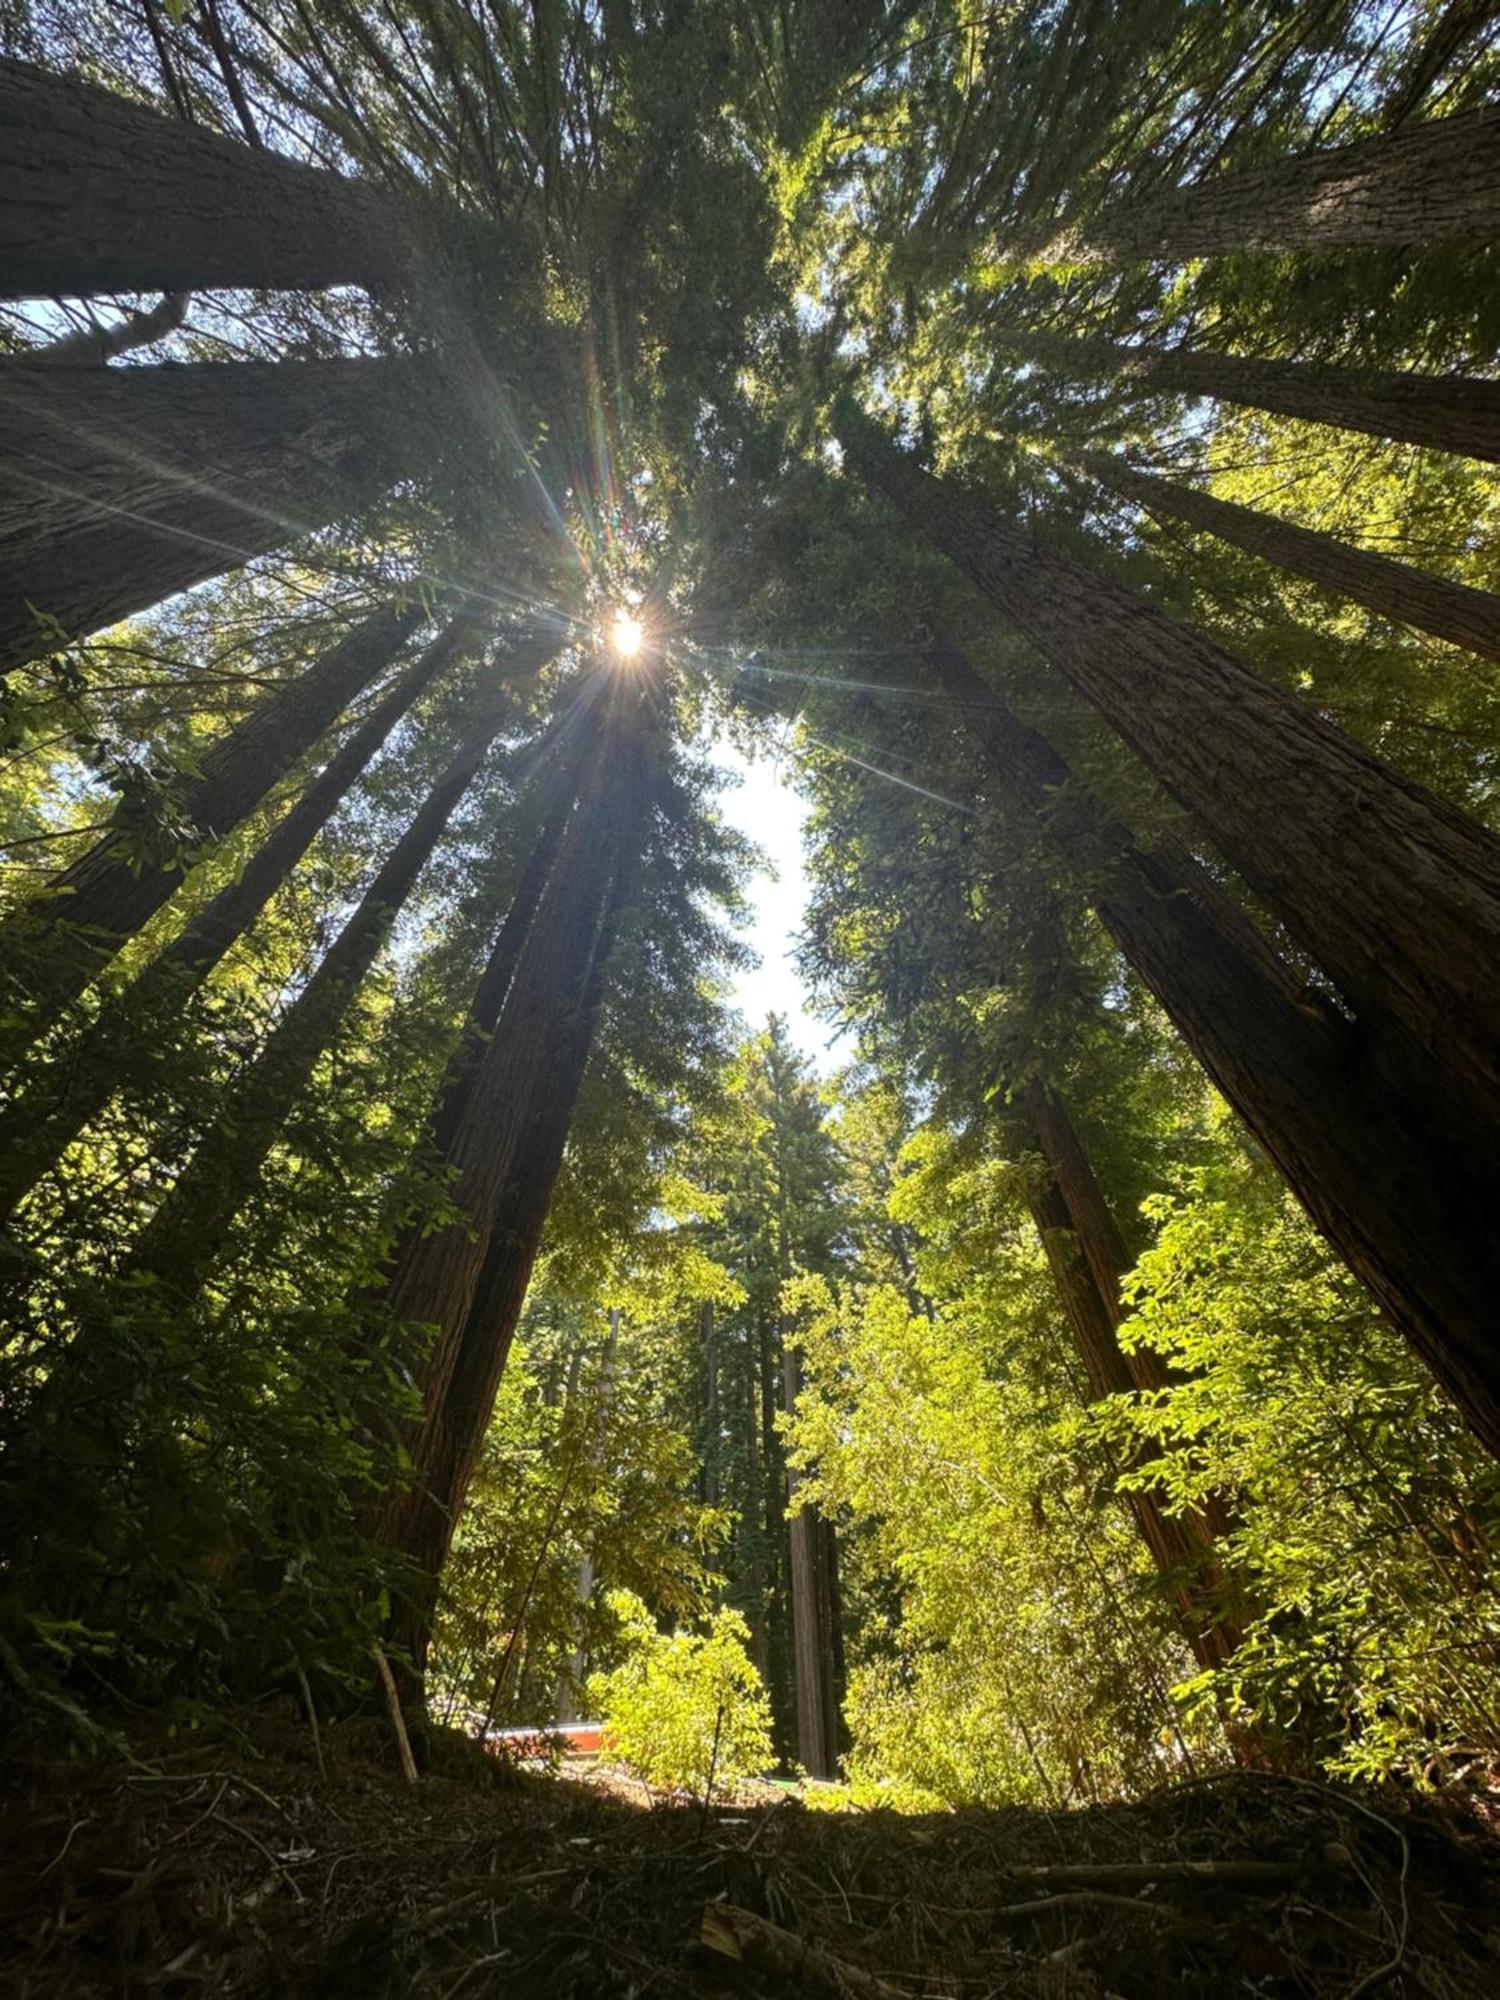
(56, 943)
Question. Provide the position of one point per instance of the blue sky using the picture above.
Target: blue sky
(765, 806)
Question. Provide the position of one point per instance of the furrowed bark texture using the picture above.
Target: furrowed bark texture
(1457, 413)
(56, 943)
(183, 1237)
(44, 1119)
(1413, 1223)
(1182, 1558)
(538, 1058)
(1395, 894)
(1395, 590)
(101, 195)
(123, 486)
(1432, 182)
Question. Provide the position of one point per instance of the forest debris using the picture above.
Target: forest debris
(1104, 1874)
(740, 1934)
(398, 1720)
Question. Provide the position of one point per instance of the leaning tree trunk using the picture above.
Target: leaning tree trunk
(1183, 1559)
(43, 1120)
(71, 929)
(434, 1271)
(123, 486)
(1393, 892)
(1434, 182)
(101, 195)
(183, 1237)
(1456, 612)
(1457, 413)
(1411, 1221)
(548, 1023)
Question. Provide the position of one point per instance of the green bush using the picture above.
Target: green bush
(684, 1709)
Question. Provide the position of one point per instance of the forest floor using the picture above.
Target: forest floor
(232, 1864)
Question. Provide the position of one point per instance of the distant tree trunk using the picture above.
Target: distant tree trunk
(567, 1710)
(1458, 413)
(1457, 612)
(550, 1018)
(94, 345)
(1412, 1222)
(101, 195)
(44, 1119)
(183, 1237)
(755, 1489)
(54, 945)
(708, 1331)
(1458, 24)
(123, 486)
(1433, 182)
(812, 1615)
(1394, 893)
(1184, 1559)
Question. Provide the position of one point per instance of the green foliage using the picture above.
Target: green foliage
(686, 1710)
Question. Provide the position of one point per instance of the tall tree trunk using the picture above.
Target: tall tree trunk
(755, 1496)
(1182, 1559)
(1395, 894)
(1433, 182)
(1395, 590)
(1413, 1224)
(123, 486)
(708, 1330)
(500, 968)
(433, 1272)
(548, 1021)
(56, 944)
(183, 1237)
(101, 195)
(46, 1116)
(1458, 413)
(812, 1619)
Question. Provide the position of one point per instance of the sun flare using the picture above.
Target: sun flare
(626, 634)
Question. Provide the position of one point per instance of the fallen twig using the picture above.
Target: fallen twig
(1249, 1873)
(740, 1934)
(398, 1720)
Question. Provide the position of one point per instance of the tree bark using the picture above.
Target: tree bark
(1457, 413)
(101, 195)
(812, 1618)
(183, 1237)
(124, 486)
(709, 1332)
(44, 1119)
(1183, 1559)
(1394, 893)
(1456, 612)
(1413, 1223)
(1433, 182)
(56, 943)
(543, 1040)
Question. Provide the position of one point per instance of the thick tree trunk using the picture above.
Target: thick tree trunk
(548, 1022)
(123, 486)
(1184, 1559)
(1395, 894)
(183, 1237)
(55, 944)
(1395, 590)
(1414, 1224)
(44, 1119)
(1457, 413)
(1434, 182)
(495, 981)
(434, 1272)
(812, 1615)
(101, 195)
